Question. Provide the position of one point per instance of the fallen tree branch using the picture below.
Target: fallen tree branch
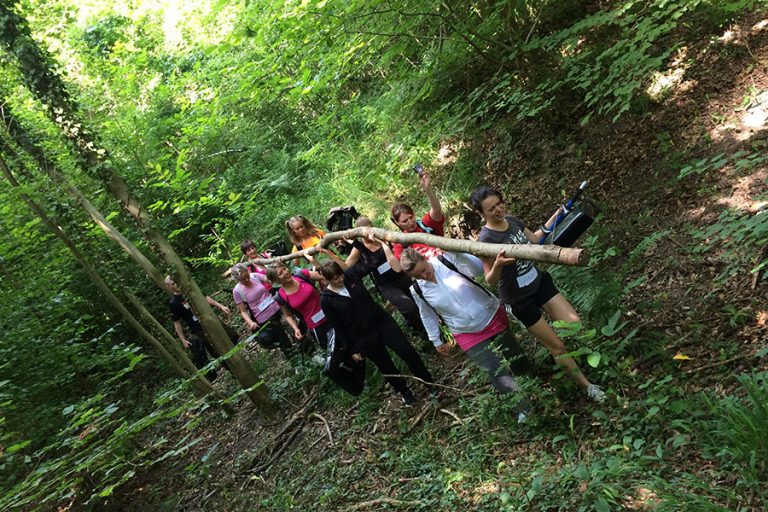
(327, 428)
(430, 384)
(533, 252)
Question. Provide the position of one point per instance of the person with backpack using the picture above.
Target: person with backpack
(444, 291)
(298, 294)
(372, 256)
(432, 222)
(527, 290)
(361, 323)
(261, 312)
(303, 234)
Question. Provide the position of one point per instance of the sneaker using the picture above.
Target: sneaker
(408, 399)
(522, 417)
(595, 393)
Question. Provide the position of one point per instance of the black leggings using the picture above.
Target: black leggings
(349, 375)
(272, 334)
(199, 345)
(387, 334)
(399, 296)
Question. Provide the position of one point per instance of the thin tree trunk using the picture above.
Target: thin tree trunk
(21, 138)
(199, 385)
(47, 86)
(542, 253)
(171, 343)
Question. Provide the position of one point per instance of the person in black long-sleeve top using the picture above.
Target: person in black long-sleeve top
(361, 322)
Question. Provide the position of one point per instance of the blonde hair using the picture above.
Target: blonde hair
(410, 258)
(311, 228)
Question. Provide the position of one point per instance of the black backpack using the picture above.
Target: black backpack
(341, 218)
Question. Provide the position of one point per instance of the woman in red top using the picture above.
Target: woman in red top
(432, 222)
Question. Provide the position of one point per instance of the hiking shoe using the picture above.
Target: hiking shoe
(408, 399)
(595, 393)
(522, 417)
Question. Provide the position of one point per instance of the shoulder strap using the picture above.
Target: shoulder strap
(299, 275)
(281, 297)
(245, 301)
(423, 226)
(445, 261)
(420, 293)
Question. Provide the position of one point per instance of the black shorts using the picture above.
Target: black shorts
(528, 309)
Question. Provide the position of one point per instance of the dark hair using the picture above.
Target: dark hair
(246, 246)
(272, 271)
(330, 270)
(399, 209)
(480, 194)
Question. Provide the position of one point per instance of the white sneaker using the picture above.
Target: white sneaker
(522, 417)
(595, 393)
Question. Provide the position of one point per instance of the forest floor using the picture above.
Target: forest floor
(696, 317)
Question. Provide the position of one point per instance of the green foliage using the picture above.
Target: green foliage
(739, 433)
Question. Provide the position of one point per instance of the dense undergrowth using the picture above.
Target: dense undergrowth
(228, 118)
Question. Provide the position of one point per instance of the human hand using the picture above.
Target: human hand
(357, 358)
(502, 261)
(424, 180)
(186, 343)
(297, 333)
(444, 350)
(225, 310)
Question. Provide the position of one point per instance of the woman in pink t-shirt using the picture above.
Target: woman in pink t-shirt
(299, 294)
(261, 312)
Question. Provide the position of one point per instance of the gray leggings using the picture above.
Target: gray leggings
(489, 360)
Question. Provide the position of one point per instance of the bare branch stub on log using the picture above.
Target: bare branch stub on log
(540, 253)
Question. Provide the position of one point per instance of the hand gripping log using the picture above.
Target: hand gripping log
(541, 253)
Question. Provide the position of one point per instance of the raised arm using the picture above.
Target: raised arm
(354, 257)
(391, 259)
(334, 257)
(540, 234)
(435, 209)
(493, 268)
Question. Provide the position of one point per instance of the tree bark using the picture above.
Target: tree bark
(542, 253)
(101, 284)
(172, 343)
(46, 85)
(23, 140)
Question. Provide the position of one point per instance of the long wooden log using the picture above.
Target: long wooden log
(533, 252)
